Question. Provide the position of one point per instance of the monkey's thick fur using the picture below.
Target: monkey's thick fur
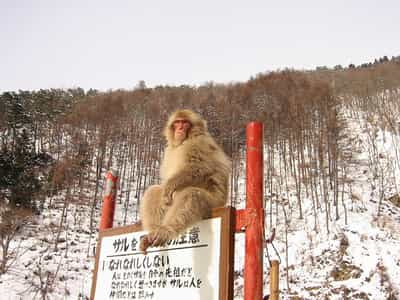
(194, 179)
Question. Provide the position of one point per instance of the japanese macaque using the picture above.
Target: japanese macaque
(194, 179)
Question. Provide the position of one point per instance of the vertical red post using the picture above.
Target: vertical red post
(107, 212)
(253, 268)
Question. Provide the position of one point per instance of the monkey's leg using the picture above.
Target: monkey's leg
(152, 210)
(189, 206)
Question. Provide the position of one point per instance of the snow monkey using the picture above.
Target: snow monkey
(194, 179)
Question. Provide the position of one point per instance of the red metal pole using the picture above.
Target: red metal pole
(253, 268)
(107, 212)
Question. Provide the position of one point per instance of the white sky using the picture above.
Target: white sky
(114, 44)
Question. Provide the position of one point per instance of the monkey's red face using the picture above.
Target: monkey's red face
(181, 129)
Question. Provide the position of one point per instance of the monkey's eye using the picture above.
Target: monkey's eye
(181, 122)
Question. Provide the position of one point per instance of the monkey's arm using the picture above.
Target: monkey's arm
(196, 171)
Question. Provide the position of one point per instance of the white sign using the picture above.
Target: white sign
(188, 268)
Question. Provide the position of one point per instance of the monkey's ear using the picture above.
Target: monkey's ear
(199, 125)
(168, 133)
(199, 128)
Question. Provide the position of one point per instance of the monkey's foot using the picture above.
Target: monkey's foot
(161, 236)
(145, 242)
(156, 238)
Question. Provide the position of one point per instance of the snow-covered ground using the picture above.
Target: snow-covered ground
(360, 260)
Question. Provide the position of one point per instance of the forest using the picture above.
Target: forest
(61, 142)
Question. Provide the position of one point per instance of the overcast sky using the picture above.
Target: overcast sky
(115, 44)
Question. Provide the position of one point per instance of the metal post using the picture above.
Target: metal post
(253, 269)
(107, 212)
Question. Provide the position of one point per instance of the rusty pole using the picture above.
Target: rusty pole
(253, 269)
(107, 212)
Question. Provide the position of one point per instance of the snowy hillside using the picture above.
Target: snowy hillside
(357, 260)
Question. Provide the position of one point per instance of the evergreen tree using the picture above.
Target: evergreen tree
(20, 166)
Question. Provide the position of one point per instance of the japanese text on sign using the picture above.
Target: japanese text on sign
(187, 267)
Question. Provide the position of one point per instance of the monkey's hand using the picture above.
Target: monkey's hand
(156, 238)
(168, 193)
(145, 242)
(190, 176)
(161, 236)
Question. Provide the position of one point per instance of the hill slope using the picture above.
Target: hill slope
(357, 260)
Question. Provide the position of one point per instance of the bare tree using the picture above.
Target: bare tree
(12, 220)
